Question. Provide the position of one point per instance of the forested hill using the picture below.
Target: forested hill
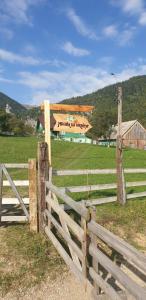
(16, 107)
(104, 100)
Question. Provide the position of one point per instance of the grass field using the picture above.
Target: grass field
(129, 221)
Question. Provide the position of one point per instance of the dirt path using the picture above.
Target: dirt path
(64, 287)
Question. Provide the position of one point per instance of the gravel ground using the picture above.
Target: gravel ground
(65, 287)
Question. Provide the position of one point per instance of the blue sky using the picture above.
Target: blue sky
(56, 49)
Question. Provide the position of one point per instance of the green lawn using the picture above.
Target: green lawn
(28, 253)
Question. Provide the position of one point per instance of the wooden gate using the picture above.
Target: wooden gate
(108, 266)
(9, 205)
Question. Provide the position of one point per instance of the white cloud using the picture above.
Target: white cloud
(107, 60)
(110, 31)
(7, 33)
(5, 80)
(71, 49)
(16, 58)
(12, 57)
(122, 37)
(17, 10)
(133, 7)
(74, 80)
(126, 36)
(2, 77)
(142, 19)
(80, 25)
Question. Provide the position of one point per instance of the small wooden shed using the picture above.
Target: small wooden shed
(133, 134)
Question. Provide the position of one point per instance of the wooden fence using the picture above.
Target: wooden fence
(101, 187)
(105, 264)
(118, 269)
(11, 202)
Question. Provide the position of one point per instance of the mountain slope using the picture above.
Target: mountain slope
(134, 100)
(16, 107)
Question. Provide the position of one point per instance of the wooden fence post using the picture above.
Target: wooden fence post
(1, 186)
(95, 264)
(33, 195)
(121, 190)
(85, 248)
(42, 177)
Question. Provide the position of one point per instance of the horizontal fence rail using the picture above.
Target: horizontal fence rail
(17, 183)
(101, 187)
(127, 253)
(95, 172)
(16, 166)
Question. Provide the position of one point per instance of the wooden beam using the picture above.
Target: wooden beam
(33, 196)
(14, 201)
(47, 128)
(16, 166)
(121, 190)
(95, 172)
(14, 219)
(99, 187)
(16, 182)
(42, 177)
(66, 107)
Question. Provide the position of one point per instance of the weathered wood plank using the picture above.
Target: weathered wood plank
(129, 284)
(47, 129)
(95, 172)
(108, 186)
(66, 107)
(16, 182)
(42, 177)
(128, 251)
(66, 237)
(95, 263)
(64, 254)
(33, 196)
(14, 219)
(85, 245)
(68, 200)
(72, 252)
(108, 290)
(15, 191)
(14, 201)
(16, 166)
(76, 229)
(105, 200)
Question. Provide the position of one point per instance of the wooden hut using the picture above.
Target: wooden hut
(133, 134)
